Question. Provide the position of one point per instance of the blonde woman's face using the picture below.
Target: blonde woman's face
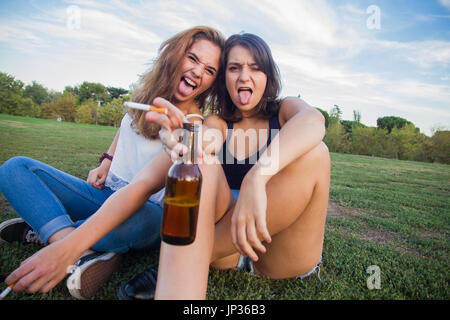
(198, 71)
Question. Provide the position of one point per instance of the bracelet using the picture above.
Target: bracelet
(105, 155)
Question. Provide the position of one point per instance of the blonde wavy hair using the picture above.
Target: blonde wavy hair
(162, 78)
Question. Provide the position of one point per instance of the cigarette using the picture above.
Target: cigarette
(145, 107)
(6, 291)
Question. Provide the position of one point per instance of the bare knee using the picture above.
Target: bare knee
(320, 153)
(320, 163)
(318, 158)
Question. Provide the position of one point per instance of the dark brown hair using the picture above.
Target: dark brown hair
(161, 80)
(269, 104)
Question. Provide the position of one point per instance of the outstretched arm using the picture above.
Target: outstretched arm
(43, 270)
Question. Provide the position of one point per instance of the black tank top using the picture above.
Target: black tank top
(235, 170)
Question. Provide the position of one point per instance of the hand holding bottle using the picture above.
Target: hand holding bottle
(171, 128)
(174, 118)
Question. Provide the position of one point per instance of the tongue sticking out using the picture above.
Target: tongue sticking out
(244, 96)
(184, 88)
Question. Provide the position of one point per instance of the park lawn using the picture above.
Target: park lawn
(389, 213)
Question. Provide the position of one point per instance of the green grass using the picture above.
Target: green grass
(393, 214)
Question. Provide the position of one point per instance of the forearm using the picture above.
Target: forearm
(298, 136)
(106, 163)
(121, 205)
(112, 147)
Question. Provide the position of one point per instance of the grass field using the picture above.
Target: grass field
(389, 213)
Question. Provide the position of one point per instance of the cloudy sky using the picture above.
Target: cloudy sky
(380, 57)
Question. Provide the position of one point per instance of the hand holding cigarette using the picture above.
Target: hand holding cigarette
(171, 120)
(6, 291)
(145, 107)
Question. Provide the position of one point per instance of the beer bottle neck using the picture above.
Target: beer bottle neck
(190, 140)
(192, 148)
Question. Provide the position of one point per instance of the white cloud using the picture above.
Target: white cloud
(306, 21)
(100, 33)
(424, 54)
(445, 3)
(315, 44)
(353, 9)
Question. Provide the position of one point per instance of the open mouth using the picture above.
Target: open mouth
(186, 86)
(244, 95)
(189, 82)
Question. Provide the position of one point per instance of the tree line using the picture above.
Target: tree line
(93, 103)
(88, 102)
(393, 137)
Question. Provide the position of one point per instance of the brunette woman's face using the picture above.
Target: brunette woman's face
(244, 79)
(198, 71)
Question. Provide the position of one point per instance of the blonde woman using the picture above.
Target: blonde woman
(87, 224)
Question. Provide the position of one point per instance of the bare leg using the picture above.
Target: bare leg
(58, 235)
(297, 202)
(183, 270)
(296, 212)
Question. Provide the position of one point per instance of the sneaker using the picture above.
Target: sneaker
(141, 287)
(90, 273)
(17, 230)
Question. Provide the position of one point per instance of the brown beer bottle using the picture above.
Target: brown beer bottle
(181, 201)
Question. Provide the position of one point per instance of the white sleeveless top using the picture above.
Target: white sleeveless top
(133, 152)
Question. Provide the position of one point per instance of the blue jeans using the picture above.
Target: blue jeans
(50, 200)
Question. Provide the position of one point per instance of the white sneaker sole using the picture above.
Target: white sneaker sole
(7, 223)
(74, 281)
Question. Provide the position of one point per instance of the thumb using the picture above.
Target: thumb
(161, 119)
(175, 114)
(101, 180)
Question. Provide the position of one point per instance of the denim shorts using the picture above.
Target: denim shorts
(245, 263)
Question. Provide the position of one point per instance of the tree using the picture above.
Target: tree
(408, 141)
(115, 93)
(336, 138)
(37, 92)
(112, 113)
(350, 125)
(54, 95)
(91, 90)
(384, 145)
(74, 91)
(357, 116)
(371, 141)
(440, 146)
(28, 108)
(63, 107)
(84, 114)
(336, 113)
(87, 112)
(11, 93)
(391, 122)
(363, 141)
